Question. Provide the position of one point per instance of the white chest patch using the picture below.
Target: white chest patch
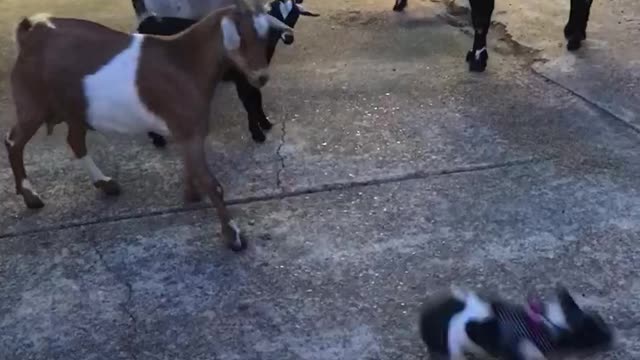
(113, 101)
(285, 8)
(459, 342)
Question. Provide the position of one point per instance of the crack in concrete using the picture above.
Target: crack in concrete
(133, 321)
(322, 188)
(586, 99)
(280, 156)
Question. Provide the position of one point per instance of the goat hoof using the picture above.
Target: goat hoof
(258, 136)
(191, 197)
(31, 200)
(477, 64)
(573, 45)
(400, 5)
(233, 238)
(158, 140)
(568, 30)
(266, 124)
(237, 247)
(160, 143)
(109, 187)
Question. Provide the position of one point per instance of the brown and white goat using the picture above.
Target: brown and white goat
(95, 78)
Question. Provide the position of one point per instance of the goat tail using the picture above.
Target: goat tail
(21, 31)
(28, 23)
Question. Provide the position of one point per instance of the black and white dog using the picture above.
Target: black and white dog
(463, 322)
(575, 31)
(287, 11)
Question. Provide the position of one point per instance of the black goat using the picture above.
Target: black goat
(481, 10)
(287, 11)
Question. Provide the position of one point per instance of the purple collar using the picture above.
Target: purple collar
(535, 309)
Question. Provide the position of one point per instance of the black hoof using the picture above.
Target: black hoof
(258, 136)
(477, 63)
(191, 197)
(233, 238)
(568, 30)
(575, 40)
(110, 187)
(158, 140)
(265, 124)
(239, 247)
(31, 200)
(574, 45)
(400, 5)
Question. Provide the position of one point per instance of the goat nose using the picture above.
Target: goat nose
(287, 38)
(262, 79)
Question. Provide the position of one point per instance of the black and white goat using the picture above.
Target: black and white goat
(481, 11)
(157, 20)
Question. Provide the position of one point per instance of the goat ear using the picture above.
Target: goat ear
(226, 11)
(230, 35)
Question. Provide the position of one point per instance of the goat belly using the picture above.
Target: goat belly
(112, 97)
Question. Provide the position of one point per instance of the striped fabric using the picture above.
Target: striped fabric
(516, 325)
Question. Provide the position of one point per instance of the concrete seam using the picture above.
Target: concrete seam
(281, 157)
(325, 188)
(628, 124)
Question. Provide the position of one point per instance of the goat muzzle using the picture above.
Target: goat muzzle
(258, 78)
(287, 38)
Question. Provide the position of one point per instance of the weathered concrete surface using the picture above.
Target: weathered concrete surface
(606, 71)
(420, 175)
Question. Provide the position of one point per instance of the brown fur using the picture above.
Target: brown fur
(55, 54)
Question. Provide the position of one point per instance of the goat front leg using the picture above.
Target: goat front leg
(400, 5)
(576, 29)
(76, 138)
(198, 173)
(251, 98)
(481, 11)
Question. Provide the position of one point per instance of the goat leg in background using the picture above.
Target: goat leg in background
(251, 98)
(400, 5)
(481, 11)
(576, 29)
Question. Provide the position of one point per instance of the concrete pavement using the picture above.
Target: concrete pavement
(391, 173)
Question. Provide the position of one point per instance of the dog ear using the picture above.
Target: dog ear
(566, 300)
(574, 314)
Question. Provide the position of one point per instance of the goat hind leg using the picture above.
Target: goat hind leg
(15, 142)
(76, 138)
(481, 11)
(198, 172)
